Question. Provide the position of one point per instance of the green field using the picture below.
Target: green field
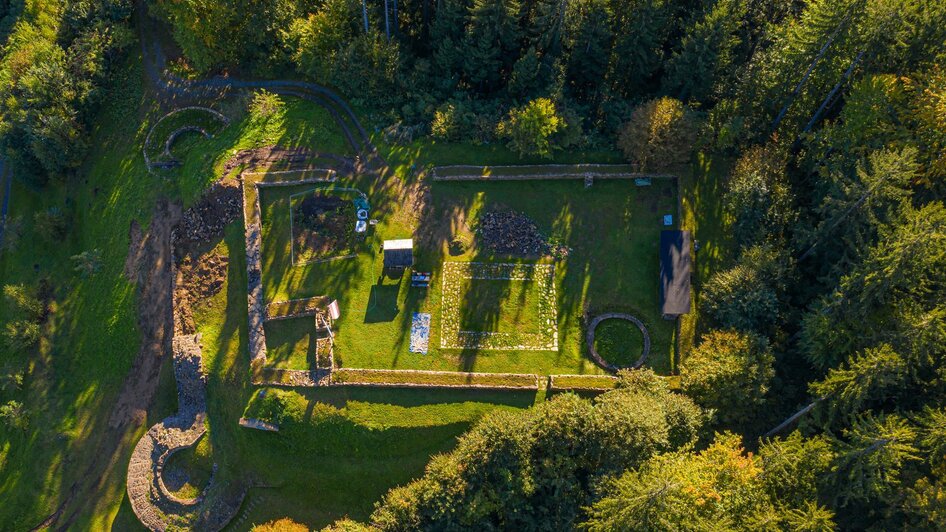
(612, 231)
(504, 307)
(619, 341)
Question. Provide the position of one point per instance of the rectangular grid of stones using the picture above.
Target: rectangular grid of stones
(452, 337)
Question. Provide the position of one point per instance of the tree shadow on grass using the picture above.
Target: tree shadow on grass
(412, 397)
(383, 301)
(291, 343)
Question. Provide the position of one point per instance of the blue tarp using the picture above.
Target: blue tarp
(420, 332)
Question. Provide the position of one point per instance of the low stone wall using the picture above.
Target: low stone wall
(150, 499)
(582, 382)
(152, 164)
(330, 177)
(254, 279)
(540, 172)
(410, 378)
(296, 308)
(269, 376)
(177, 133)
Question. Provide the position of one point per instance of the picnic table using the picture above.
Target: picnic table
(420, 279)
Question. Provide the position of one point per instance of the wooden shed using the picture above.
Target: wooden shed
(399, 254)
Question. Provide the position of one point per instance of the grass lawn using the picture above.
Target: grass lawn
(612, 230)
(89, 342)
(619, 341)
(291, 343)
(503, 307)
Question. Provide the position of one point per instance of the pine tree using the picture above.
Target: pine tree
(760, 198)
(491, 43)
(795, 467)
(866, 378)
(719, 488)
(705, 57)
(746, 296)
(906, 266)
(641, 29)
(588, 40)
(870, 458)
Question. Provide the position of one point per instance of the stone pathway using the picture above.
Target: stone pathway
(156, 507)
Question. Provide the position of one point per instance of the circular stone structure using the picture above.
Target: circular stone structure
(590, 339)
(157, 152)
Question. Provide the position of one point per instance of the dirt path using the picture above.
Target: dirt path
(155, 317)
(174, 91)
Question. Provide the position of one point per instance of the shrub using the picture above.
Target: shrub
(530, 128)
(13, 415)
(759, 196)
(87, 263)
(281, 525)
(50, 224)
(265, 104)
(21, 335)
(660, 134)
(447, 123)
(24, 300)
(745, 297)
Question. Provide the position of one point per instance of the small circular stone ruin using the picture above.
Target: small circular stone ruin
(590, 338)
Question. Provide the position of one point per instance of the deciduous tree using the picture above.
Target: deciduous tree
(729, 372)
(659, 135)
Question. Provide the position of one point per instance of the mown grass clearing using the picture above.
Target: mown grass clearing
(439, 378)
(499, 306)
(611, 231)
(619, 342)
(291, 344)
(374, 439)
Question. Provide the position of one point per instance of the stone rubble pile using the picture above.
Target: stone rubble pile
(207, 219)
(513, 233)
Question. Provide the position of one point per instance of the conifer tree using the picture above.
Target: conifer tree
(491, 43)
(705, 57)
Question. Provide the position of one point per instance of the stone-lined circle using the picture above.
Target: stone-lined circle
(590, 338)
(160, 155)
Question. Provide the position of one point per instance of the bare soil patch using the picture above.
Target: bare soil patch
(322, 226)
(135, 249)
(155, 317)
(197, 280)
